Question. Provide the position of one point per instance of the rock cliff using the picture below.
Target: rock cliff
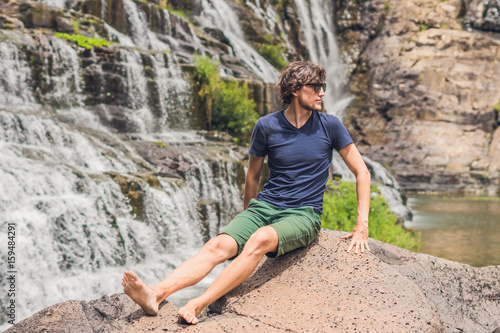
(317, 289)
(427, 90)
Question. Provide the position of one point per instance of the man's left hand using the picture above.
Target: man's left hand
(359, 238)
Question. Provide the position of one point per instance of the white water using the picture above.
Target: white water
(118, 37)
(316, 18)
(15, 77)
(61, 4)
(174, 91)
(389, 188)
(76, 233)
(143, 37)
(219, 15)
(386, 183)
(268, 15)
(63, 78)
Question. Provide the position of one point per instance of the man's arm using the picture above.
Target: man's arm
(355, 163)
(252, 179)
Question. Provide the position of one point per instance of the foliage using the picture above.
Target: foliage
(227, 104)
(496, 107)
(76, 26)
(83, 41)
(340, 213)
(273, 53)
(161, 144)
(387, 6)
(233, 111)
(177, 12)
(422, 27)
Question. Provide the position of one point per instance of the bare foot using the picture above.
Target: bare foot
(189, 312)
(140, 293)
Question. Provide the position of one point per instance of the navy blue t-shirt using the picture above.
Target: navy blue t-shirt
(298, 158)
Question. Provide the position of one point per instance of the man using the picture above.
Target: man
(287, 214)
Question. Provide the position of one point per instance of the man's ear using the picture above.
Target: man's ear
(295, 93)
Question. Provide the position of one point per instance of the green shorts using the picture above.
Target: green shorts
(296, 227)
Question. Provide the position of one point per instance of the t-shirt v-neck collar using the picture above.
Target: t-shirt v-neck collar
(291, 125)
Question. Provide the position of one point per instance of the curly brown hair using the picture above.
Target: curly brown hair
(295, 75)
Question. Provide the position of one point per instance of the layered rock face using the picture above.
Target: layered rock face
(427, 90)
(320, 288)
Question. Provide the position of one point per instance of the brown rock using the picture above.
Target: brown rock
(10, 23)
(424, 83)
(325, 289)
(64, 25)
(317, 289)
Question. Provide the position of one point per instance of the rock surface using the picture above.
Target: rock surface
(427, 91)
(317, 289)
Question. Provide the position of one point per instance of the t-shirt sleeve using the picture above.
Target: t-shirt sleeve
(258, 144)
(340, 135)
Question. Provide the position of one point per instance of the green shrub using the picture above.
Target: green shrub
(274, 54)
(340, 213)
(76, 26)
(161, 144)
(422, 27)
(227, 104)
(83, 41)
(496, 107)
(234, 112)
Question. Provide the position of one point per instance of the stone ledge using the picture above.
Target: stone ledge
(317, 289)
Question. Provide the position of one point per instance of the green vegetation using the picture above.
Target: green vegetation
(340, 212)
(161, 144)
(76, 26)
(273, 52)
(422, 27)
(177, 12)
(387, 5)
(496, 107)
(227, 104)
(83, 41)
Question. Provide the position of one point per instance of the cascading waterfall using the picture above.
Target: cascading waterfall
(63, 82)
(219, 15)
(15, 76)
(85, 203)
(173, 87)
(316, 19)
(143, 37)
(62, 176)
(137, 92)
(118, 37)
(76, 234)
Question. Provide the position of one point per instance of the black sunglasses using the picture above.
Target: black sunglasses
(317, 86)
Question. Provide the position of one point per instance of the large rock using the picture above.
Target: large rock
(317, 289)
(426, 93)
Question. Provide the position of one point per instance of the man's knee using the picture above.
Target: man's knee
(221, 248)
(262, 241)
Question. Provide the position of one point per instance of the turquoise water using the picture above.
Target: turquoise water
(463, 229)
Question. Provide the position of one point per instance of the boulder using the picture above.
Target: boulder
(320, 288)
(425, 91)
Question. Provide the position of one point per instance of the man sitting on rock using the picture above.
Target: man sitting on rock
(286, 215)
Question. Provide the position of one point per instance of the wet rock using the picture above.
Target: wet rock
(64, 25)
(10, 23)
(317, 289)
(483, 14)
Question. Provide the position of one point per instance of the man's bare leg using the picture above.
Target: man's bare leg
(263, 241)
(190, 272)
